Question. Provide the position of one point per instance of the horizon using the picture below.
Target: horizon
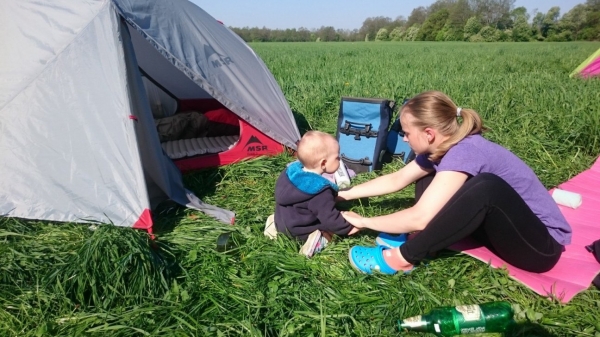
(313, 14)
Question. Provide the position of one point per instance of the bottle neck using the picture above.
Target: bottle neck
(416, 323)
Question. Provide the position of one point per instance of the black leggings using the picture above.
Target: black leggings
(491, 211)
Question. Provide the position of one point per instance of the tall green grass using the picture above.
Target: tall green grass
(69, 280)
(522, 90)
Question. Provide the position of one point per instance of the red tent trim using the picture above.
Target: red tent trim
(144, 221)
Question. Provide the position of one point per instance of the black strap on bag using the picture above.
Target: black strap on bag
(363, 129)
(594, 248)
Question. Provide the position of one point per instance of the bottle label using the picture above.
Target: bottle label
(472, 321)
(470, 312)
(412, 322)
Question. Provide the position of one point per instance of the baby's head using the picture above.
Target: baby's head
(319, 152)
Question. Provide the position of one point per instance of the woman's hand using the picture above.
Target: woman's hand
(354, 230)
(341, 196)
(354, 219)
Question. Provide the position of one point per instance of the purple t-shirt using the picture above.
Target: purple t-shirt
(475, 154)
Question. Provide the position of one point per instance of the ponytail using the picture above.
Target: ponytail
(435, 109)
(471, 124)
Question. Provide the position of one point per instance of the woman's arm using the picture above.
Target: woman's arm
(388, 183)
(442, 188)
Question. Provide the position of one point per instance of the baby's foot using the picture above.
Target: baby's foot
(316, 241)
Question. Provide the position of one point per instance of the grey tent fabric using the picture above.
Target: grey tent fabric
(218, 62)
(161, 103)
(162, 177)
(65, 155)
(77, 136)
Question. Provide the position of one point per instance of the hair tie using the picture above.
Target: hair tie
(458, 110)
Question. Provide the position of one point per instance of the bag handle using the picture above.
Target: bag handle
(350, 128)
(362, 161)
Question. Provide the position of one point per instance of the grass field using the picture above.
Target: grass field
(66, 280)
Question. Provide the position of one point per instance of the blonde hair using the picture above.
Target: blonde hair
(313, 147)
(436, 110)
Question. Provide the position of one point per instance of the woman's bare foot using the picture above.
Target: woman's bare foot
(395, 260)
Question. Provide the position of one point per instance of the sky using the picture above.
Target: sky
(346, 14)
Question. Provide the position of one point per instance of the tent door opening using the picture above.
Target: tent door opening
(188, 120)
(200, 127)
(196, 130)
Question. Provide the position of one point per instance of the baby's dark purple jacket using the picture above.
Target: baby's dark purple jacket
(305, 202)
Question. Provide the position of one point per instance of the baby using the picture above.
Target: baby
(305, 200)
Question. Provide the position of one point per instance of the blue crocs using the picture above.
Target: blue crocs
(369, 259)
(390, 241)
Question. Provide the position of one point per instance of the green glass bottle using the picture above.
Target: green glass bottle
(462, 319)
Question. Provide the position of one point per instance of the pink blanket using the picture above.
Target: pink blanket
(576, 268)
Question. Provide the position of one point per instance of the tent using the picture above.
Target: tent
(82, 86)
(590, 67)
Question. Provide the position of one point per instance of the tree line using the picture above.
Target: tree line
(454, 20)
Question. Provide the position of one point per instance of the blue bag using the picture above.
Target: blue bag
(362, 132)
(396, 146)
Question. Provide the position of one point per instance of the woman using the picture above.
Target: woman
(466, 186)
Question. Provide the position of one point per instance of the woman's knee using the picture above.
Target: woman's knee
(485, 189)
(422, 184)
(487, 181)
